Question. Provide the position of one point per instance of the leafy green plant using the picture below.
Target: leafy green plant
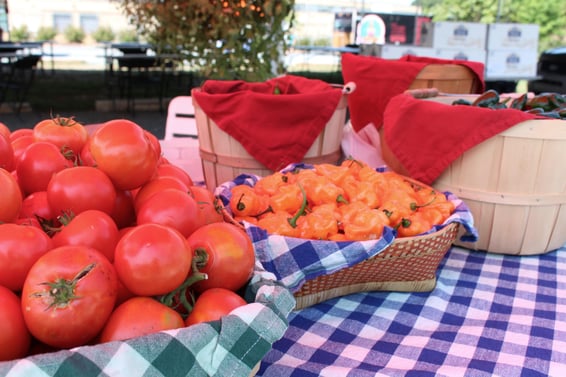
(243, 40)
(304, 41)
(46, 33)
(128, 35)
(322, 42)
(74, 34)
(103, 34)
(19, 34)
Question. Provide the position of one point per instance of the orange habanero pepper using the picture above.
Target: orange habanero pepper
(366, 225)
(317, 226)
(270, 185)
(334, 173)
(321, 190)
(288, 198)
(246, 202)
(413, 225)
(278, 223)
(361, 191)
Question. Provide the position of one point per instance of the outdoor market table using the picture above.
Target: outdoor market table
(489, 315)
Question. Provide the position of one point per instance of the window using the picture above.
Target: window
(89, 23)
(62, 21)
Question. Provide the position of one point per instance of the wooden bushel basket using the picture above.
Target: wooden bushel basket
(515, 187)
(512, 183)
(447, 78)
(224, 158)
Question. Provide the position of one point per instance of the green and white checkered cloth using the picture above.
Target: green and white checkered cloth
(232, 346)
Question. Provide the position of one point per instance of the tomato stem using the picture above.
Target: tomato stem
(200, 258)
(181, 291)
(62, 291)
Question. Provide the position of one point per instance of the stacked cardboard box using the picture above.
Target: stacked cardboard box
(508, 50)
(512, 50)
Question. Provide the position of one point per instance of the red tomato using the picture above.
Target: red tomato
(210, 207)
(123, 293)
(20, 132)
(30, 221)
(155, 185)
(154, 142)
(213, 304)
(171, 170)
(11, 197)
(37, 164)
(65, 133)
(7, 160)
(124, 213)
(171, 207)
(35, 205)
(80, 188)
(228, 253)
(15, 339)
(91, 228)
(20, 247)
(68, 295)
(4, 130)
(122, 150)
(140, 316)
(19, 145)
(85, 157)
(152, 259)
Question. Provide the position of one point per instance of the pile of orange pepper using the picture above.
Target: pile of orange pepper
(346, 202)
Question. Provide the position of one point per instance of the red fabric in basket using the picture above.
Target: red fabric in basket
(426, 136)
(274, 129)
(378, 80)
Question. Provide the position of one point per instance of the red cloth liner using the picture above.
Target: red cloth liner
(378, 80)
(274, 129)
(426, 136)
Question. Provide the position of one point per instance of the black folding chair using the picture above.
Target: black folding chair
(17, 78)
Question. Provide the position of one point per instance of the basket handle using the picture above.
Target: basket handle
(349, 87)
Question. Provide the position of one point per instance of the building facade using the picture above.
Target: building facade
(315, 19)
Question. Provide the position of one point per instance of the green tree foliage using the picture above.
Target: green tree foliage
(128, 35)
(46, 33)
(103, 34)
(244, 39)
(19, 34)
(74, 34)
(550, 15)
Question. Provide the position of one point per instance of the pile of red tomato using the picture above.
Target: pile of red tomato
(102, 239)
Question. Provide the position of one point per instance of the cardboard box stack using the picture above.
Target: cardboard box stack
(508, 50)
(512, 50)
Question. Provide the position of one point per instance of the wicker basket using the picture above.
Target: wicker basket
(407, 265)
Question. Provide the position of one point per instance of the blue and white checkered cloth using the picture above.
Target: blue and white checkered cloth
(490, 315)
(296, 260)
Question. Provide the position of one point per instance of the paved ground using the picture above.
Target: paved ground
(153, 121)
